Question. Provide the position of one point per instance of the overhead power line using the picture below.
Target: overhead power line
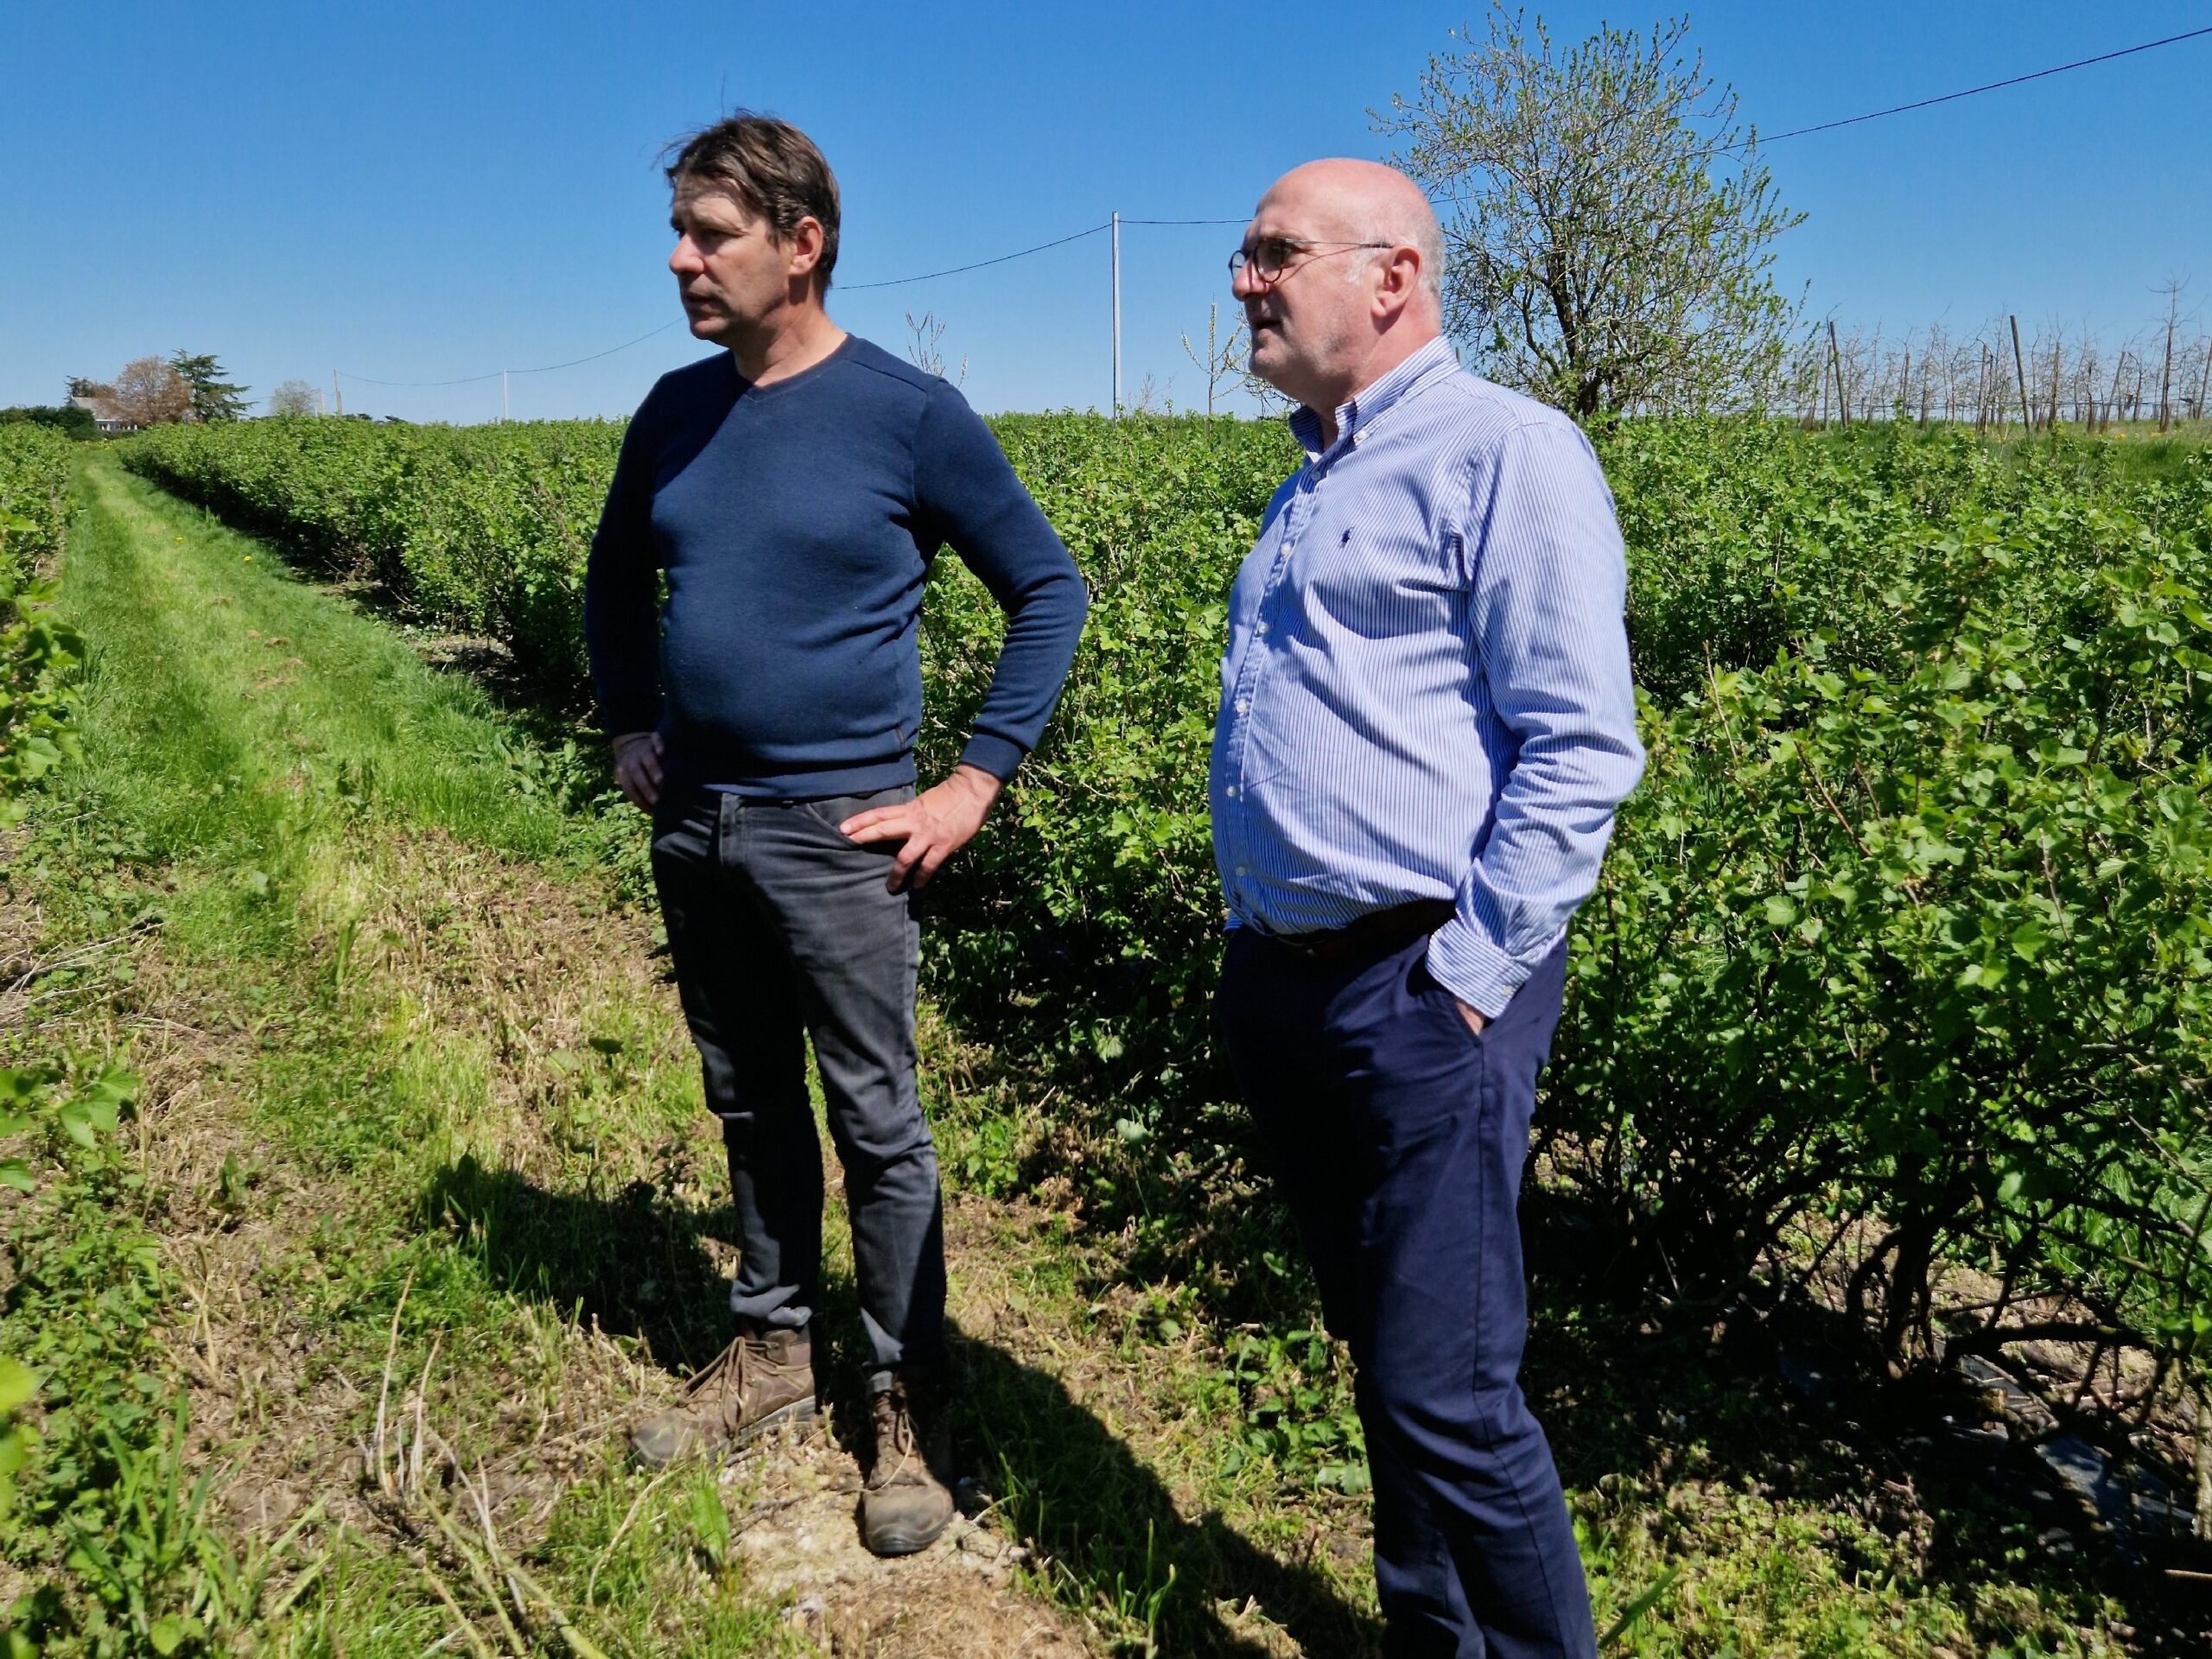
(1795, 133)
(463, 380)
(543, 368)
(596, 356)
(931, 276)
(1993, 86)
(1095, 230)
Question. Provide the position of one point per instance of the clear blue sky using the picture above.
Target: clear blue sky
(414, 192)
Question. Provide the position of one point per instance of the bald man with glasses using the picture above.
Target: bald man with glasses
(1426, 723)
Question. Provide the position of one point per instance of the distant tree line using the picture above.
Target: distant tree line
(66, 418)
(155, 391)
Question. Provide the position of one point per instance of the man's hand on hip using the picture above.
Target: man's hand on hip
(934, 825)
(1475, 1021)
(637, 767)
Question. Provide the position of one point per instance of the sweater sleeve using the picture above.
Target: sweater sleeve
(971, 501)
(622, 593)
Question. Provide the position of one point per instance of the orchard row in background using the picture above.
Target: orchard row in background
(1894, 995)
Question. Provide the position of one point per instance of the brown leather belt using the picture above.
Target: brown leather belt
(1380, 932)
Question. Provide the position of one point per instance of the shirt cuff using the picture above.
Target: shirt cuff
(999, 756)
(1473, 968)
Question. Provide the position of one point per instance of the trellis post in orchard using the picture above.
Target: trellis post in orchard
(2166, 378)
(1835, 363)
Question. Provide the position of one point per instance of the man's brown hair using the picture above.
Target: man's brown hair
(772, 167)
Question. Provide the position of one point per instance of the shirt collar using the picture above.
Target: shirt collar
(1365, 406)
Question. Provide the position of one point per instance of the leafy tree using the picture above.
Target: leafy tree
(148, 392)
(213, 398)
(295, 398)
(1608, 230)
(81, 387)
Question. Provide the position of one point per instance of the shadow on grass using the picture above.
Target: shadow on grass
(1640, 1392)
(1780, 1402)
(629, 1260)
(637, 1264)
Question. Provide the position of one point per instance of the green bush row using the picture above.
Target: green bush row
(34, 496)
(483, 529)
(38, 656)
(101, 1536)
(1902, 939)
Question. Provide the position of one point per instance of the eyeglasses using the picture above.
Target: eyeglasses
(1267, 255)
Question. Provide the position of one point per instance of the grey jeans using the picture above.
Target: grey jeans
(781, 931)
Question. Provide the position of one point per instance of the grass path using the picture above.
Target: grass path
(424, 1210)
(419, 1145)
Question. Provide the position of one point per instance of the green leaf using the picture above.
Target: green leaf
(709, 1520)
(1640, 1606)
(18, 1382)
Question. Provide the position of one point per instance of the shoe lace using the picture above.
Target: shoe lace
(894, 1435)
(725, 1373)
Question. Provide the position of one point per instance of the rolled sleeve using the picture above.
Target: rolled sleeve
(1546, 589)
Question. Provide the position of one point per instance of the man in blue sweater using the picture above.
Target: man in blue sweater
(792, 490)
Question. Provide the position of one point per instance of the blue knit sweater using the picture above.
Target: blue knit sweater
(795, 523)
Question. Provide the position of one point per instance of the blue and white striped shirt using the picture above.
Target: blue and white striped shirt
(1426, 692)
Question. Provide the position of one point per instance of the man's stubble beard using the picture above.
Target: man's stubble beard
(1330, 348)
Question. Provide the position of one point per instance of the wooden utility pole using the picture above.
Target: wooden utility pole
(2020, 368)
(1981, 395)
(2052, 426)
(1117, 275)
(1835, 363)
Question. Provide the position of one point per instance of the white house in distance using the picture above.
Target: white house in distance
(105, 414)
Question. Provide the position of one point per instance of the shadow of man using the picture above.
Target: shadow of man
(1063, 1484)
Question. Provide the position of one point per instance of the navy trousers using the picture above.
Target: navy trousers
(1398, 1136)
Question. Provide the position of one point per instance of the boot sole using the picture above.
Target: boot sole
(799, 1413)
(891, 1538)
(892, 1544)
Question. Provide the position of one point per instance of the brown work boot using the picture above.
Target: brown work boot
(762, 1381)
(903, 1504)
